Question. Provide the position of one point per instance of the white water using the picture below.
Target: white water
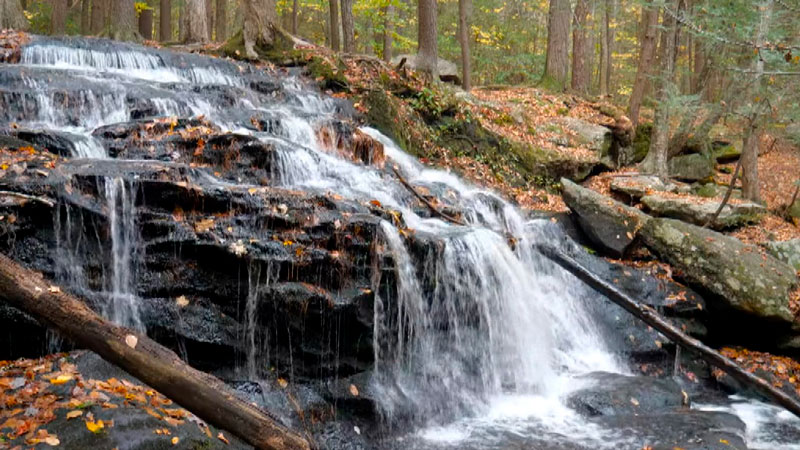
(481, 341)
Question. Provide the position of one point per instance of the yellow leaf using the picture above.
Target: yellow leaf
(252, 191)
(51, 440)
(723, 441)
(131, 340)
(74, 414)
(634, 402)
(182, 301)
(222, 438)
(175, 440)
(54, 289)
(353, 390)
(287, 243)
(95, 427)
(61, 379)
(282, 382)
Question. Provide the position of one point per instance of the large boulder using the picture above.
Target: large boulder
(596, 137)
(739, 276)
(448, 71)
(638, 186)
(611, 394)
(701, 211)
(786, 251)
(694, 167)
(609, 224)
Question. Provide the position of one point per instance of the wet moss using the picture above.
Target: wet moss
(327, 76)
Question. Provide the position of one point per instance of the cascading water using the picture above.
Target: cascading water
(478, 341)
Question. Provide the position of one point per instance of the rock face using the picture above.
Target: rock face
(448, 71)
(737, 275)
(786, 251)
(595, 137)
(638, 186)
(608, 223)
(694, 167)
(699, 213)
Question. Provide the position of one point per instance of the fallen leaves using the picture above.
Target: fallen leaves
(95, 427)
(131, 341)
(222, 438)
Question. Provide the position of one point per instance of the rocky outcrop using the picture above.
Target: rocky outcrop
(609, 224)
(700, 212)
(694, 167)
(596, 137)
(738, 276)
(448, 71)
(638, 186)
(786, 251)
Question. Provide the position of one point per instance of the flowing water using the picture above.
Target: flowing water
(483, 338)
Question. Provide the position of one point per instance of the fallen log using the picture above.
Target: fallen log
(649, 316)
(436, 211)
(204, 395)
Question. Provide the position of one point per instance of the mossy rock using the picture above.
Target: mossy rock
(694, 167)
(383, 113)
(281, 52)
(724, 152)
(637, 151)
(327, 76)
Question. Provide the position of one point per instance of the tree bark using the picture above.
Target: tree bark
(607, 47)
(260, 30)
(123, 21)
(165, 21)
(146, 24)
(195, 26)
(428, 48)
(649, 316)
(334, 25)
(202, 394)
(85, 18)
(11, 15)
(348, 27)
(464, 13)
(647, 54)
(221, 21)
(657, 157)
(210, 20)
(556, 67)
(99, 17)
(294, 16)
(388, 31)
(581, 62)
(58, 17)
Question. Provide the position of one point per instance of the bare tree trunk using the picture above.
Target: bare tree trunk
(11, 15)
(607, 52)
(85, 18)
(294, 16)
(99, 16)
(646, 59)
(334, 25)
(657, 157)
(750, 185)
(428, 50)
(58, 17)
(464, 13)
(206, 396)
(146, 24)
(165, 21)
(210, 19)
(581, 66)
(222, 20)
(195, 27)
(123, 21)
(699, 65)
(348, 27)
(388, 31)
(260, 18)
(556, 67)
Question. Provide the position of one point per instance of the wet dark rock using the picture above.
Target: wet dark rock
(609, 394)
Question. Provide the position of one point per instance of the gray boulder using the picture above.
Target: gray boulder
(786, 251)
(699, 212)
(448, 71)
(609, 224)
(596, 137)
(610, 394)
(694, 167)
(638, 186)
(738, 276)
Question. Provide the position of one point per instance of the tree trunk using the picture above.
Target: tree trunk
(195, 26)
(85, 18)
(294, 16)
(556, 67)
(428, 49)
(334, 25)
(202, 394)
(464, 13)
(146, 24)
(99, 17)
(11, 15)
(260, 18)
(646, 59)
(58, 17)
(606, 67)
(348, 27)
(221, 21)
(750, 185)
(649, 316)
(581, 62)
(123, 21)
(165, 21)
(210, 19)
(657, 157)
(388, 31)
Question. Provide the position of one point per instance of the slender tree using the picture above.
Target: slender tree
(123, 21)
(464, 13)
(348, 27)
(11, 15)
(222, 20)
(260, 29)
(58, 17)
(427, 50)
(294, 16)
(581, 62)
(607, 47)
(388, 31)
(85, 18)
(99, 19)
(165, 21)
(195, 26)
(334, 25)
(647, 52)
(556, 67)
(210, 19)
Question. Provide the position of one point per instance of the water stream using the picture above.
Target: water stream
(484, 338)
